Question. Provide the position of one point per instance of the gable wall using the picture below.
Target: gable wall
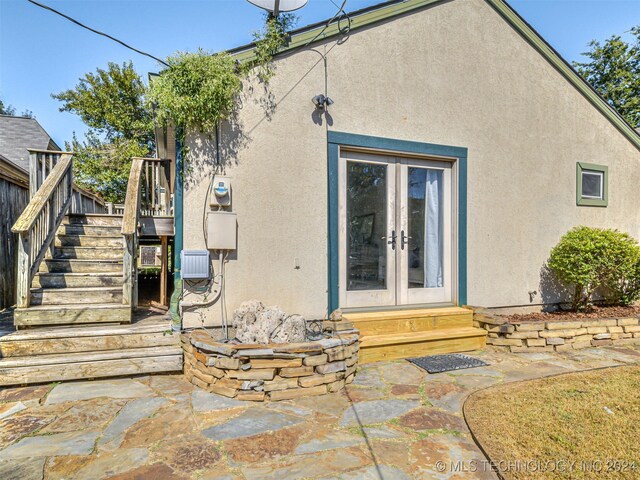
(454, 74)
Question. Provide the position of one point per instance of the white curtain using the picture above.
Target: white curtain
(433, 243)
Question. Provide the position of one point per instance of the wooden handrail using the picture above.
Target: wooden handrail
(30, 214)
(132, 200)
(37, 225)
(147, 179)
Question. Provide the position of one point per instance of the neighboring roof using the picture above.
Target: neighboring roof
(17, 134)
(13, 173)
(384, 11)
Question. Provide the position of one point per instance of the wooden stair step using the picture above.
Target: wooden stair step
(61, 280)
(73, 366)
(71, 314)
(93, 230)
(406, 321)
(375, 348)
(89, 253)
(93, 219)
(64, 296)
(63, 240)
(77, 265)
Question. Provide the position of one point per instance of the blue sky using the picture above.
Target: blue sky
(41, 53)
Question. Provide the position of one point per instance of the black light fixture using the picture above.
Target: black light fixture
(321, 101)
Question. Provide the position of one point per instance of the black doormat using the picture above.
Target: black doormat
(446, 363)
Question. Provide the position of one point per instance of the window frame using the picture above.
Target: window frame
(586, 201)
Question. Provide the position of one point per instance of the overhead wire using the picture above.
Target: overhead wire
(339, 13)
(98, 32)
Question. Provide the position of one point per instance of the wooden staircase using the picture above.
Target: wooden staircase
(68, 353)
(80, 279)
(390, 335)
(77, 283)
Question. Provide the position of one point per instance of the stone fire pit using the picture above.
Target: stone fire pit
(271, 371)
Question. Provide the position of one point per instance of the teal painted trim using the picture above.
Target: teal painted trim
(592, 202)
(333, 150)
(462, 229)
(403, 146)
(338, 139)
(178, 236)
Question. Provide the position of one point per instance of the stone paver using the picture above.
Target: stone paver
(376, 411)
(8, 409)
(76, 391)
(29, 468)
(394, 422)
(251, 422)
(131, 414)
(202, 401)
(68, 443)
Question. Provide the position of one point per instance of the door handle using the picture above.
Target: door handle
(392, 242)
(403, 239)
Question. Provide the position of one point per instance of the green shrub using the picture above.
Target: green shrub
(592, 259)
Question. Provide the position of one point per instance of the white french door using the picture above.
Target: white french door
(396, 230)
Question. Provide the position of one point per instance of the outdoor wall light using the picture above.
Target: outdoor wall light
(321, 102)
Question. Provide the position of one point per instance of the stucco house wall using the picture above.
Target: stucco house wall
(452, 74)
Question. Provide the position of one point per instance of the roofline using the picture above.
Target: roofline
(359, 18)
(51, 140)
(377, 13)
(565, 69)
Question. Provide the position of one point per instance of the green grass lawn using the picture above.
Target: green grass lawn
(579, 425)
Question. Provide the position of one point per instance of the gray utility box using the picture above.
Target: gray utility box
(221, 230)
(195, 264)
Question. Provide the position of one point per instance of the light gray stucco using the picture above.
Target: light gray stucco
(453, 74)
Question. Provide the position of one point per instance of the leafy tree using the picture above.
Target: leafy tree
(103, 166)
(6, 110)
(10, 110)
(112, 103)
(614, 71)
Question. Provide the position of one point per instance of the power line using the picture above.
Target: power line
(46, 7)
(338, 13)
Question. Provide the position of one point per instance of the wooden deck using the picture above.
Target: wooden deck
(69, 353)
(396, 334)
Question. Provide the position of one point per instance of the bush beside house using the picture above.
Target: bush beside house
(598, 262)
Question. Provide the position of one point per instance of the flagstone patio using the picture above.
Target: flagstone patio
(394, 422)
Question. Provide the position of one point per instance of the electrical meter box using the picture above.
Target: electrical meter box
(220, 195)
(221, 230)
(194, 264)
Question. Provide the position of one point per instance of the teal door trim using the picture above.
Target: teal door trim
(341, 139)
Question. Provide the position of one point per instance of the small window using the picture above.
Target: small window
(592, 185)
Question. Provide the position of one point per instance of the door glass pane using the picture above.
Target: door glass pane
(425, 222)
(366, 226)
(592, 184)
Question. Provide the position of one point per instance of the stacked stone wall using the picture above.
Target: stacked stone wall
(273, 371)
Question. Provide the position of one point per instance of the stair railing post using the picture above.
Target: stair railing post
(33, 174)
(127, 271)
(23, 276)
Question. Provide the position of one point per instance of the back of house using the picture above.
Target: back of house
(455, 148)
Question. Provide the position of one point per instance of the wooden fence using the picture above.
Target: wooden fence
(14, 196)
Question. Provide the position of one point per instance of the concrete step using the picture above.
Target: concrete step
(74, 366)
(62, 280)
(89, 241)
(376, 348)
(74, 295)
(408, 321)
(84, 229)
(81, 266)
(71, 314)
(89, 253)
(93, 219)
(60, 340)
